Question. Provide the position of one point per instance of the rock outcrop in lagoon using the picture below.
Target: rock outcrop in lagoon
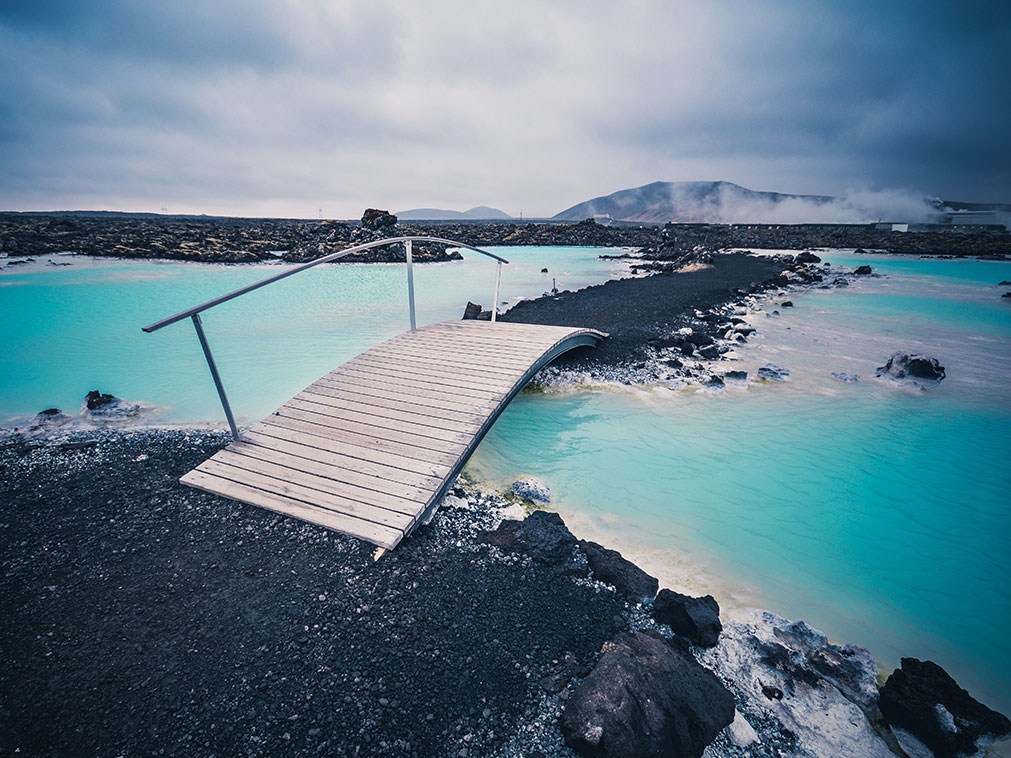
(912, 368)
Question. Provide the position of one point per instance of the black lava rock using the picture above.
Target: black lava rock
(378, 220)
(695, 618)
(738, 375)
(645, 698)
(542, 535)
(862, 270)
(807, 257)
(786, 304)
(907, 365)
(472, 311)
(922, 698)
(710, 353)
(609, 566)
(96, 400)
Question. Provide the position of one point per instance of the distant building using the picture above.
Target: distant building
(889, 226)
(976, 218)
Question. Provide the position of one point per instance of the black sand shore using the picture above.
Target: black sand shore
(634, 311)
(141, 617)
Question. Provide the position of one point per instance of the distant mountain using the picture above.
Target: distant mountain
(481, 212)
(661, 202)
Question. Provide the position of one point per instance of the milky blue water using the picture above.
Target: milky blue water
(67, 330)
(877, 513)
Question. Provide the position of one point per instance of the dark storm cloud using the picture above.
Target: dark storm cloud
(280, 108)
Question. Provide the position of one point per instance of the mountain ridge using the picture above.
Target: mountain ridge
(479, 212)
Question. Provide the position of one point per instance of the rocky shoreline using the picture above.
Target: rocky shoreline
(246, 240)
(145, 616)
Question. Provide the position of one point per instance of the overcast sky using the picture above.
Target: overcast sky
(283, 108)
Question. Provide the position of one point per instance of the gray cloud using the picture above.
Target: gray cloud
(282, 108)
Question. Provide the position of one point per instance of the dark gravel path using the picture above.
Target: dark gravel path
(140, 617)
(633, 311)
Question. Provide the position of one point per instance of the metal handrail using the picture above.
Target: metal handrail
(194, 313)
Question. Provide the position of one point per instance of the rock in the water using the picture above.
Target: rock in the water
(922, 698)
(1006, 294)
(911, 367)
(472, 311)
(695, 618)
(609, 566)
(789, 679)
(101, 406)
(1005, 283)
(50, 418)
(786, 304)
(807, 257)
(774, 373)
(862, 270)
(645, 698)
(710, 353)
(542, 535)
(736, 376)
(532, 489)
(842, 376)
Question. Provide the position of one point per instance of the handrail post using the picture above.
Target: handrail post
(214, 374)
(494, 302)
(408, 246)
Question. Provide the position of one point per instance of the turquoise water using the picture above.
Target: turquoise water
(71, 329)
(876, 513)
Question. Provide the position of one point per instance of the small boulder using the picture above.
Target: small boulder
(842, 376)
(922, 698)
(544, 271)
(695, 618)
(50, 418)
(774, 373)
(645, 698)
(786, 304)
(105, 407)
(912, 367)
(1005, 283)
(710, 353)
(674, 363)
(807, 257)
(472, 311)
(736, 376)
(532, 489)
(610, 567)
(862, 270)
(542, 535)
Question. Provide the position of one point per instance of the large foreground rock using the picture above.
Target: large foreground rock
(911, 367)
(695, 618)
(921, 698)
(800, 694)
(645, 698)
(611, 567)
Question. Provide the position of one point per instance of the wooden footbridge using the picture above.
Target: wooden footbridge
(371, 448)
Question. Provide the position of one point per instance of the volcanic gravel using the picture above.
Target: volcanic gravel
(633, 311)
(142, 617)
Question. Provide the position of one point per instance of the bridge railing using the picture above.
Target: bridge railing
(194, 313)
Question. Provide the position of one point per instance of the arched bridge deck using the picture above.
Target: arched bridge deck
(371, 448)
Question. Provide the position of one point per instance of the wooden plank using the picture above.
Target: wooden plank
(278, 452)
(484, 339)
(403, 413)
(377, 534)
(318, 437)
(276, 439)
(377, 395)
(336, 396)
(503, 327)
(449, 378)
(296, 475)
(408, 379)
(461, 361)
(439, 360)
(489, 349)
(519, 337)
(365, 378)
(391, 429)
(268, 483)
(360, 440)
